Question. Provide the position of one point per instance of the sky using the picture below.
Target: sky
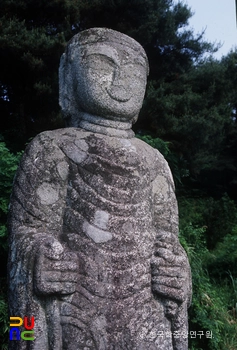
(218, 17)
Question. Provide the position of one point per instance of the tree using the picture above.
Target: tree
(196, 114)
(33, 35)
(32, 38)
(8, 166)
(189, 112)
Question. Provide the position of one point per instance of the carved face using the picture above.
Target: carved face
(110, 81)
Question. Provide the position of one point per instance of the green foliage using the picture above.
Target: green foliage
(207, 223)
(8, 166)
(212, 304)
(32, 38)
(224, 258)
(176, 164)
(195, 111)
(157, 143)
(4, 320)
(191, 210)
(190, 110)
(218, 216)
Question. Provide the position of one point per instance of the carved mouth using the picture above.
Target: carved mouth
(119, 93)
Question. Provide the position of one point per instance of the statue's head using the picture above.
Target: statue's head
(102, 73)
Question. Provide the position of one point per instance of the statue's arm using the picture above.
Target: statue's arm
(171, 276)
(37, 255)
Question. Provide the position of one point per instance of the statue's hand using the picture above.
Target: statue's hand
(170, 269)
(55, 271)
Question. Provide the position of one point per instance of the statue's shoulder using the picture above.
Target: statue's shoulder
(50, 147)
(157, 164)
(151, 154)
(58, 136)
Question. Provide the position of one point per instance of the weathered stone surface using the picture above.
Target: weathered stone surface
(94, 250)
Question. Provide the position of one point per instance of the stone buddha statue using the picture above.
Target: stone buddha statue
(94, 249)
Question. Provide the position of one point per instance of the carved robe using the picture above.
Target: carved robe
(105, 199)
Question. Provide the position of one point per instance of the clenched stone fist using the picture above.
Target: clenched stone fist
(56, 271)
(170, 269)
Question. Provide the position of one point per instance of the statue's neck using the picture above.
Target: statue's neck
(106, 126)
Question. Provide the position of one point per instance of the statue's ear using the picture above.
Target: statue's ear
(62, 83)
(135, 118)
(65, 89)
(67, 100)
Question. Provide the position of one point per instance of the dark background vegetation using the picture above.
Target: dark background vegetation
(189, 114)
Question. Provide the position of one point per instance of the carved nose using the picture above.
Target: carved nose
(117, 90)
(119, 93)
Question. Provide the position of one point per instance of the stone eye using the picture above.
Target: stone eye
(100, 63)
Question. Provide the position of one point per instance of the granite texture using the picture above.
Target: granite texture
(93, 225)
